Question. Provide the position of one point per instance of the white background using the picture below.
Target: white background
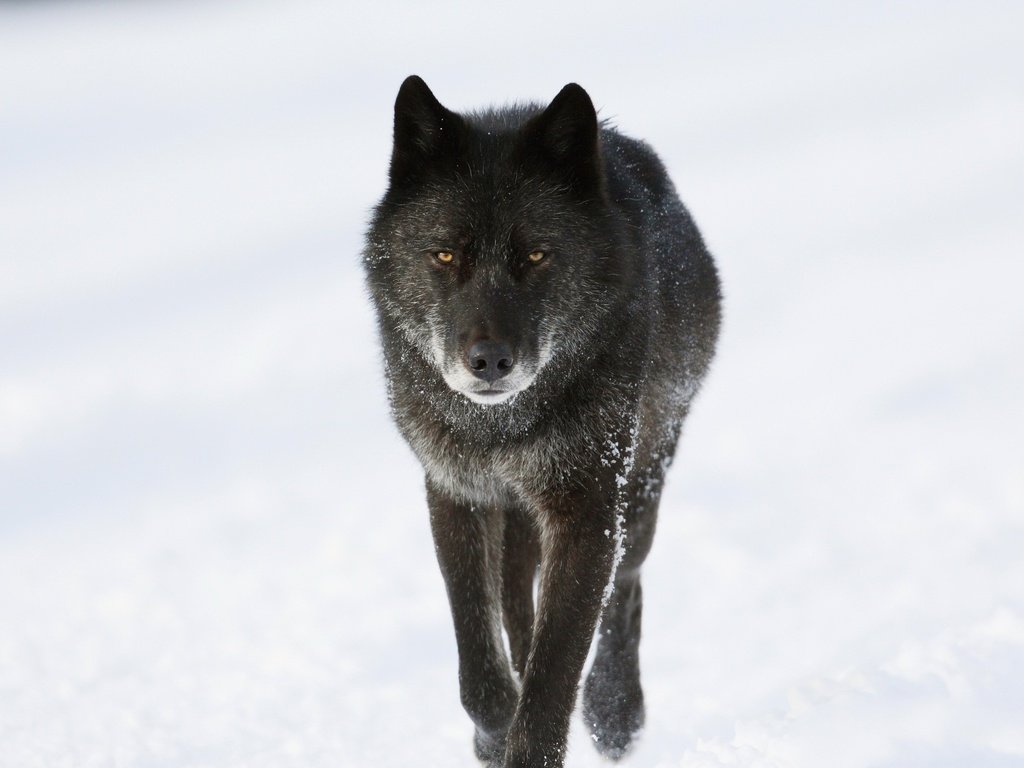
(214, 547)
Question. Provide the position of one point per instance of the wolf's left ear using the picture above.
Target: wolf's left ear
(423, 128)
(566, 134)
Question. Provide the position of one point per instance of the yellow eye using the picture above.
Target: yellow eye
(536, 257)
(445, 257)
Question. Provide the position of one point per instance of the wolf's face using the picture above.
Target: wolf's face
(492, 251)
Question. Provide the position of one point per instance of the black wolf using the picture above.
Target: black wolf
(547, 310)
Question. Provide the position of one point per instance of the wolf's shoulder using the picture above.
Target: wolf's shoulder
(632, 163)
(640, 187)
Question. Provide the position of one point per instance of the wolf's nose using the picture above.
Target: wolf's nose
(489, 360)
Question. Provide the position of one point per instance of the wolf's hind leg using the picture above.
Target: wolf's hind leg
(613, 701)
(520, 559)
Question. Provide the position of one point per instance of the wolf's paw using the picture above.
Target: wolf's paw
(613, 709)
(489, 748)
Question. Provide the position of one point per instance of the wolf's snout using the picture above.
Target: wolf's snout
(489, 360)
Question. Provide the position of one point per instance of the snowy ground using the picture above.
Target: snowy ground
(214, 549)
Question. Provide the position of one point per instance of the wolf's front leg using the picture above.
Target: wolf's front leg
(468, 544)
(577, 552)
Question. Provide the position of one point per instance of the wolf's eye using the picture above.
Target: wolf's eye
(445, 257)
(536, 257)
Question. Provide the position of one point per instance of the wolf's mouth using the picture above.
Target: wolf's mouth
(489, 396)
(460, 380)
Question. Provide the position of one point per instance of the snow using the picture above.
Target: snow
(214, 548)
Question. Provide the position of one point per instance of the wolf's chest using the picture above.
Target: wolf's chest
(496, 474)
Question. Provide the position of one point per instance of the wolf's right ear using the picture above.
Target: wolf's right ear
(424, 129)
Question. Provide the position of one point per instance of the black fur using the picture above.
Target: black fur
(591, 354)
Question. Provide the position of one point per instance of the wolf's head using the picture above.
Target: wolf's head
(493, 250)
